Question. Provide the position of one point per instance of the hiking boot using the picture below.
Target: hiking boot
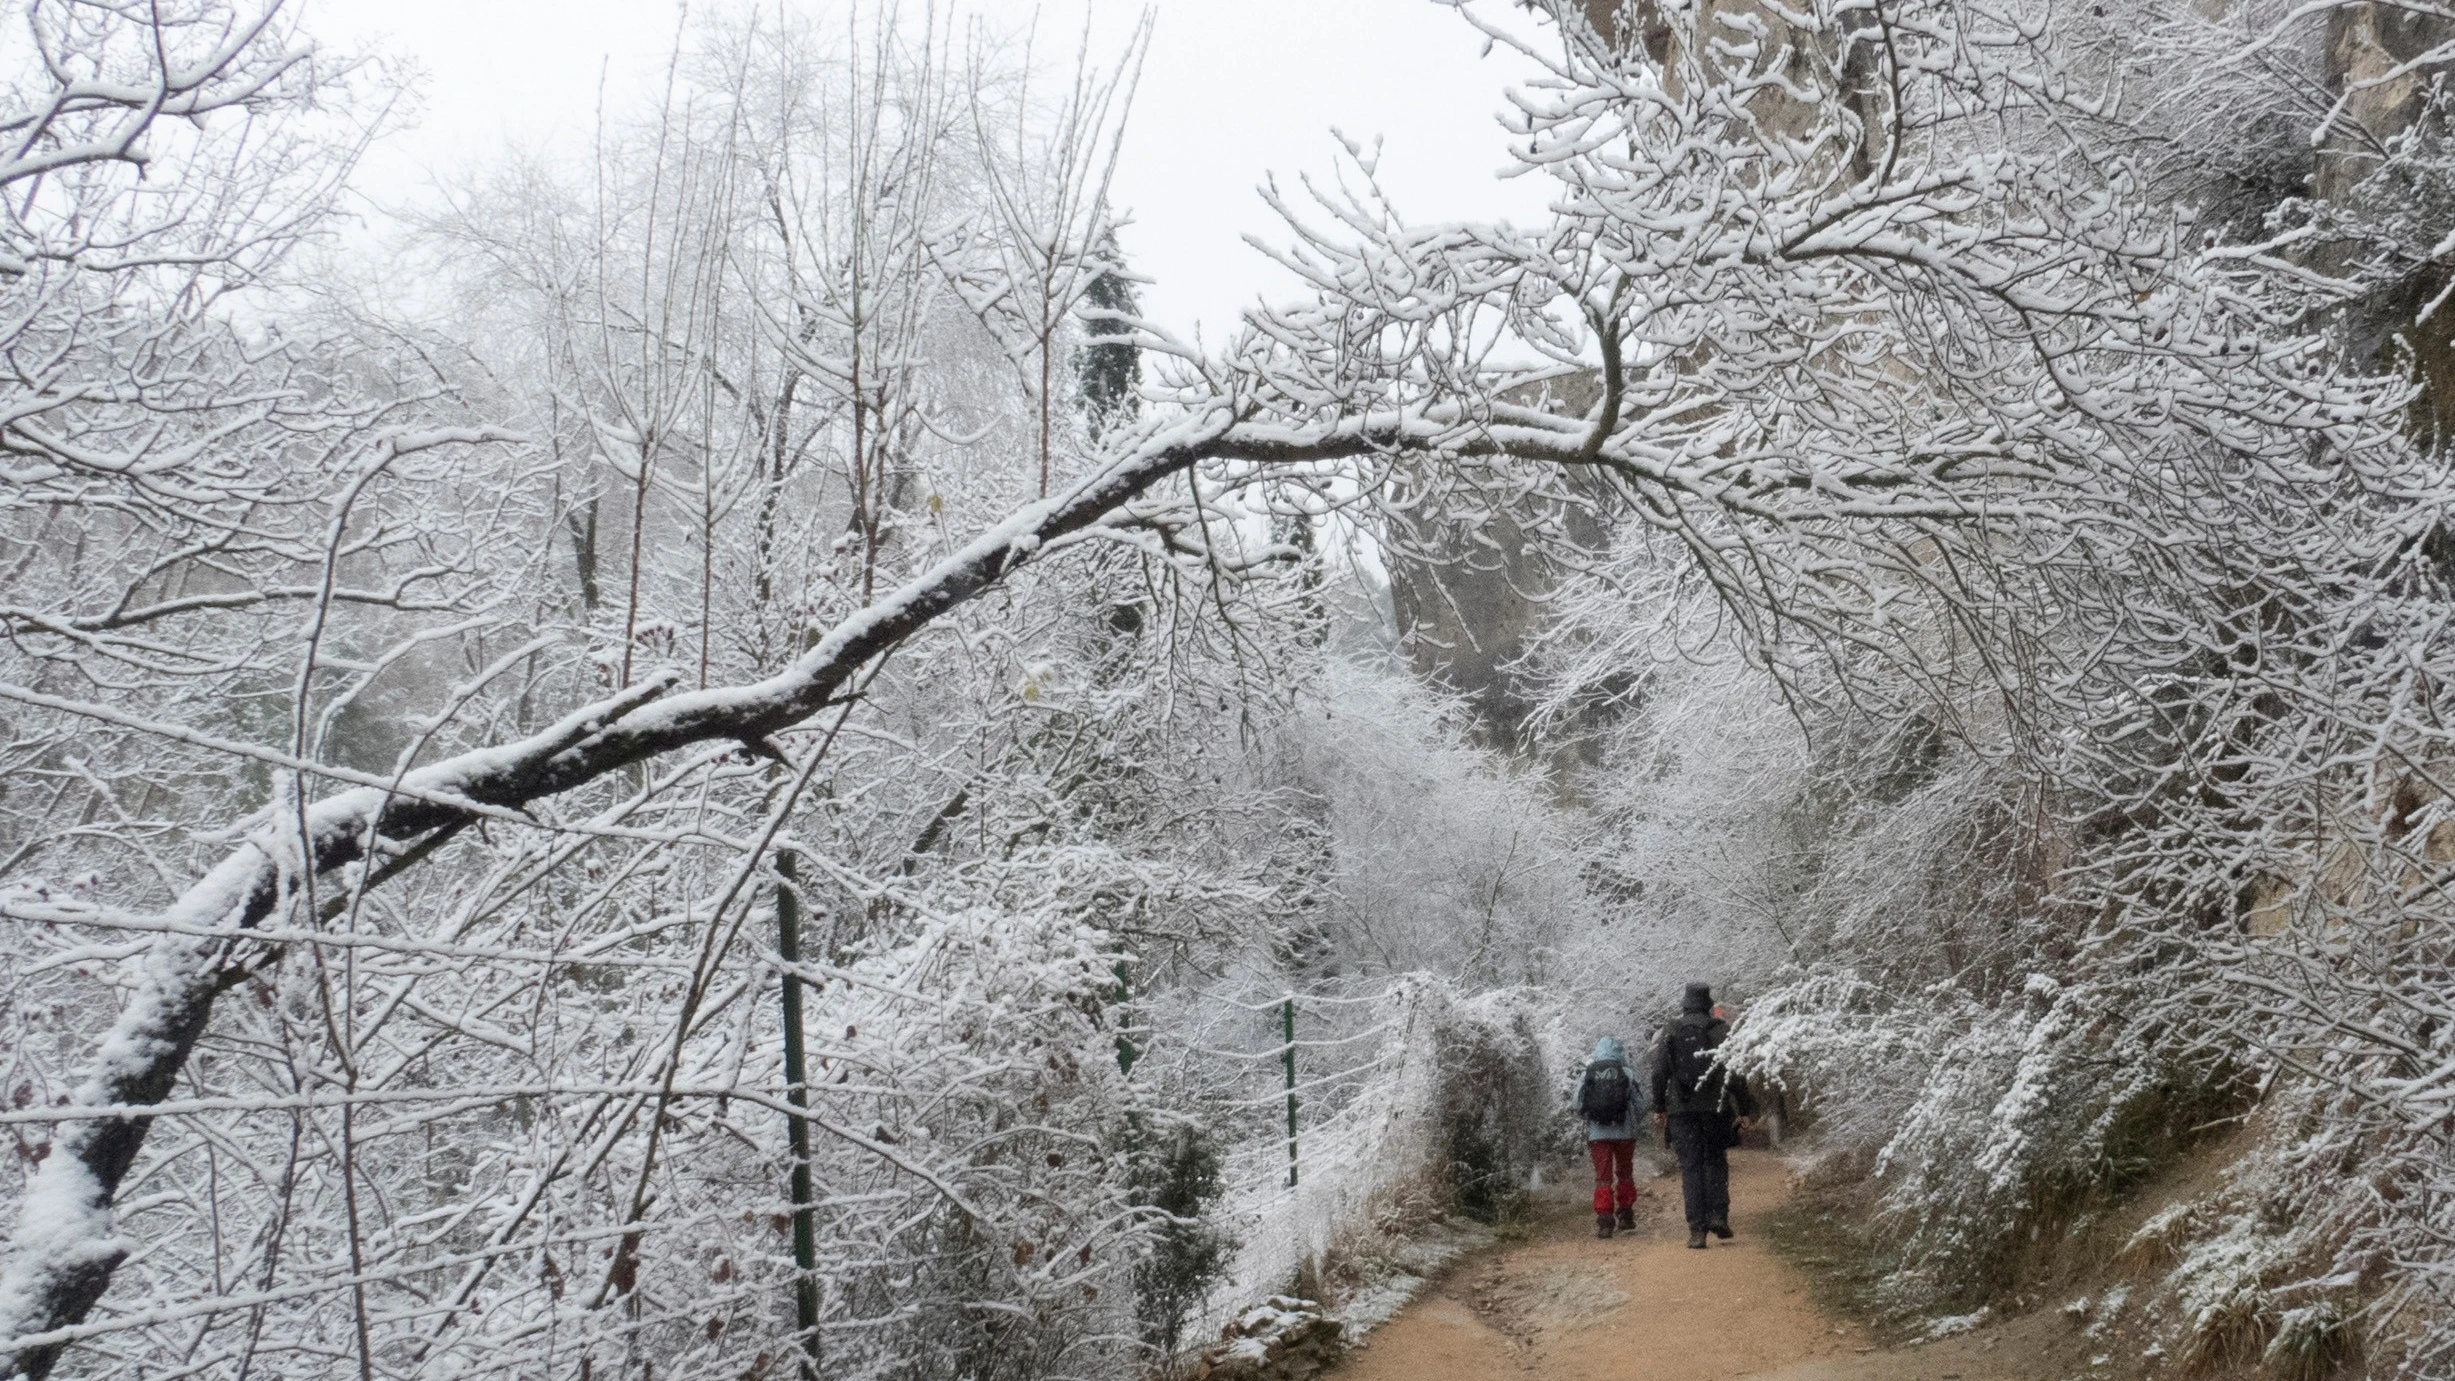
(1628, 1219)
(1721, 1229)
(1696, 1241)
(1602, 1225)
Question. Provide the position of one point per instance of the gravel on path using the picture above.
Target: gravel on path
(1643, 1306)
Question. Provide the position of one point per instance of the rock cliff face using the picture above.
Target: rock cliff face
(1469, 588)
(1467, 605)
(1470, 592)
(2382, 65)
(2378, 64)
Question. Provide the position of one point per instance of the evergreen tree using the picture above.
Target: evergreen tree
(1109, 370)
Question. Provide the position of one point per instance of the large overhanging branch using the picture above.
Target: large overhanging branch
(65, 1251)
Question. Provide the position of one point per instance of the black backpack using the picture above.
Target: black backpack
(1607, 1091)
(1692, 1064)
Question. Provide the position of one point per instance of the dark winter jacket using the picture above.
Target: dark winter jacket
(1717, 1092)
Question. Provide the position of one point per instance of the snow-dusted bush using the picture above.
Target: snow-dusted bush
(1002, 1091)
(1694, 833)
(1446, 858)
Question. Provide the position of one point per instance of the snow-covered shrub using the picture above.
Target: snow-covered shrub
(1001, 1094)
(1175, 1171)
(1445, 858)
(1498, 1104)
(1694, 838)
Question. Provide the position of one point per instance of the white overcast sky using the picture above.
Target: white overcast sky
(1231, 90)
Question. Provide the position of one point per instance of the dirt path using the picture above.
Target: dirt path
(1641, 1307)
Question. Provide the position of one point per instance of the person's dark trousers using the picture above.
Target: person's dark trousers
(1702, 1143)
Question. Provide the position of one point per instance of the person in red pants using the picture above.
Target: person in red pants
(1613, 1106)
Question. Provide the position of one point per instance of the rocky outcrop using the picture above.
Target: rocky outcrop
(1280, 1339)
(1471, 579)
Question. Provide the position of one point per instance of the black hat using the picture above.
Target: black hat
(1698, 998)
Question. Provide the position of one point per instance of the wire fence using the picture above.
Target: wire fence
(1344, 1107)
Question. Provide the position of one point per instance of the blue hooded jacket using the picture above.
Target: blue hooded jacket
(1609, 1048)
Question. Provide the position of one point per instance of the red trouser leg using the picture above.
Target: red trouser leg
(1615, 1173)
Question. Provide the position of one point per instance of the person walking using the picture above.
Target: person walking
(1701, 1110)
(1613, 1105)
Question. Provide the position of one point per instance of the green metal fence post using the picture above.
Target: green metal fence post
(1287, 1012)
(797, 1123)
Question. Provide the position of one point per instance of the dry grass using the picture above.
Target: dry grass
(1821, 1232)
(2227, 1337)
(2311, 1344)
